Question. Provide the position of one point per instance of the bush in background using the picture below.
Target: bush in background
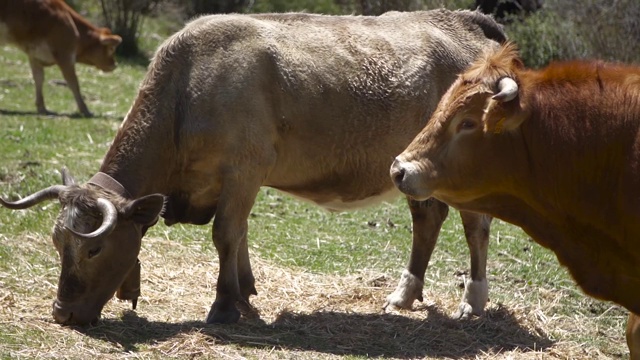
(125, 18)
(603, 29)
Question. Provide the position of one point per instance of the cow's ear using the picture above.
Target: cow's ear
(503, 122)
(144, 210)
(110, 40)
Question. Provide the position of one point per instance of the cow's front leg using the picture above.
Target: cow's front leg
(476, 290)
(633, 336)
(67, 67)
(246, 280)
(427, 217)
(229, 237)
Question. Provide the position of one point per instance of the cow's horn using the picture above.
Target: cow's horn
(45, 194)
(507, 90)
(109, 221)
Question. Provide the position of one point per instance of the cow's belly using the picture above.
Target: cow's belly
(41, 51)
(337, 204)
(334, 202)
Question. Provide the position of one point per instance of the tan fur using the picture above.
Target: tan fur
(50, 32)
(567, 170)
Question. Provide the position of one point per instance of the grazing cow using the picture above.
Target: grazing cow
(50, 32)
(556, 152)
(315, 106)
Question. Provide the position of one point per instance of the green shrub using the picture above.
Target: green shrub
(545, 36)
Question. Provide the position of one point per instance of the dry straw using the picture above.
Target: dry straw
(303, 316)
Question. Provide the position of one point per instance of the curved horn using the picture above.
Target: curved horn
(507, 90)
(109, 221)
(45, 194)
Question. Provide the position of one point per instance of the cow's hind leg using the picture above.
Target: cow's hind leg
(229, 237)
(476, 290)
(427, 217)
(37, 71)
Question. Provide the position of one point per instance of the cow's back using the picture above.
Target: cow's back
(336, 96)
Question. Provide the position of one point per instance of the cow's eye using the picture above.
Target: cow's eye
(466, 124)
(93, 252)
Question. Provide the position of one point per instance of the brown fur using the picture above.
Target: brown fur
(566, 170)
(50, 32)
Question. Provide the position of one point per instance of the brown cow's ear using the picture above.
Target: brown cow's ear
(503, 123)
(144, 210)
(112, 40)
(500, 118)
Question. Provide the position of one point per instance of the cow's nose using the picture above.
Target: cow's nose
(397, 172)
(60, 314)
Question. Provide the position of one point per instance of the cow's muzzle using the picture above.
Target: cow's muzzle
(406, 176)
(65, 314)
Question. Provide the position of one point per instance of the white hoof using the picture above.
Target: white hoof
(476, 295)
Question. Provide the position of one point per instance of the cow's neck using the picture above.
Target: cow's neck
(84, 27)
(141, 157)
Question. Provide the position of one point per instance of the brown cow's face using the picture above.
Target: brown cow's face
(93, 269)
(452, 158)
(101, 53)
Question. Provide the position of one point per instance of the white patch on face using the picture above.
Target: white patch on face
(339, 205)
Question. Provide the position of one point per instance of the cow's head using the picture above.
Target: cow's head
(97, 235)
(455, 156)
(100, 51)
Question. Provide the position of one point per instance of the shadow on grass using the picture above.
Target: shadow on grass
(370, 335)
(52, 114)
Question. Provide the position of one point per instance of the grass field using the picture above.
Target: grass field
(322, 277)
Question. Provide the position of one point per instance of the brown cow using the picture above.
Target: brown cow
(50, 32)
(315, 106)
(556, 152)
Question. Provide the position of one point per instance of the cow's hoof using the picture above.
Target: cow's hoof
(465, 311)
(230, 315)
(247, 310)
(474, 300)
(408, 290)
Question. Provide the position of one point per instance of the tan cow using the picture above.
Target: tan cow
(315, 106)
(556, 152)
(50, 32)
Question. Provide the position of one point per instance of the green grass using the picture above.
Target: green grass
(287, 232)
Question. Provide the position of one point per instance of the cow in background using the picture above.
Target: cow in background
(315, 106)
(50, 32)
(556, 152)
